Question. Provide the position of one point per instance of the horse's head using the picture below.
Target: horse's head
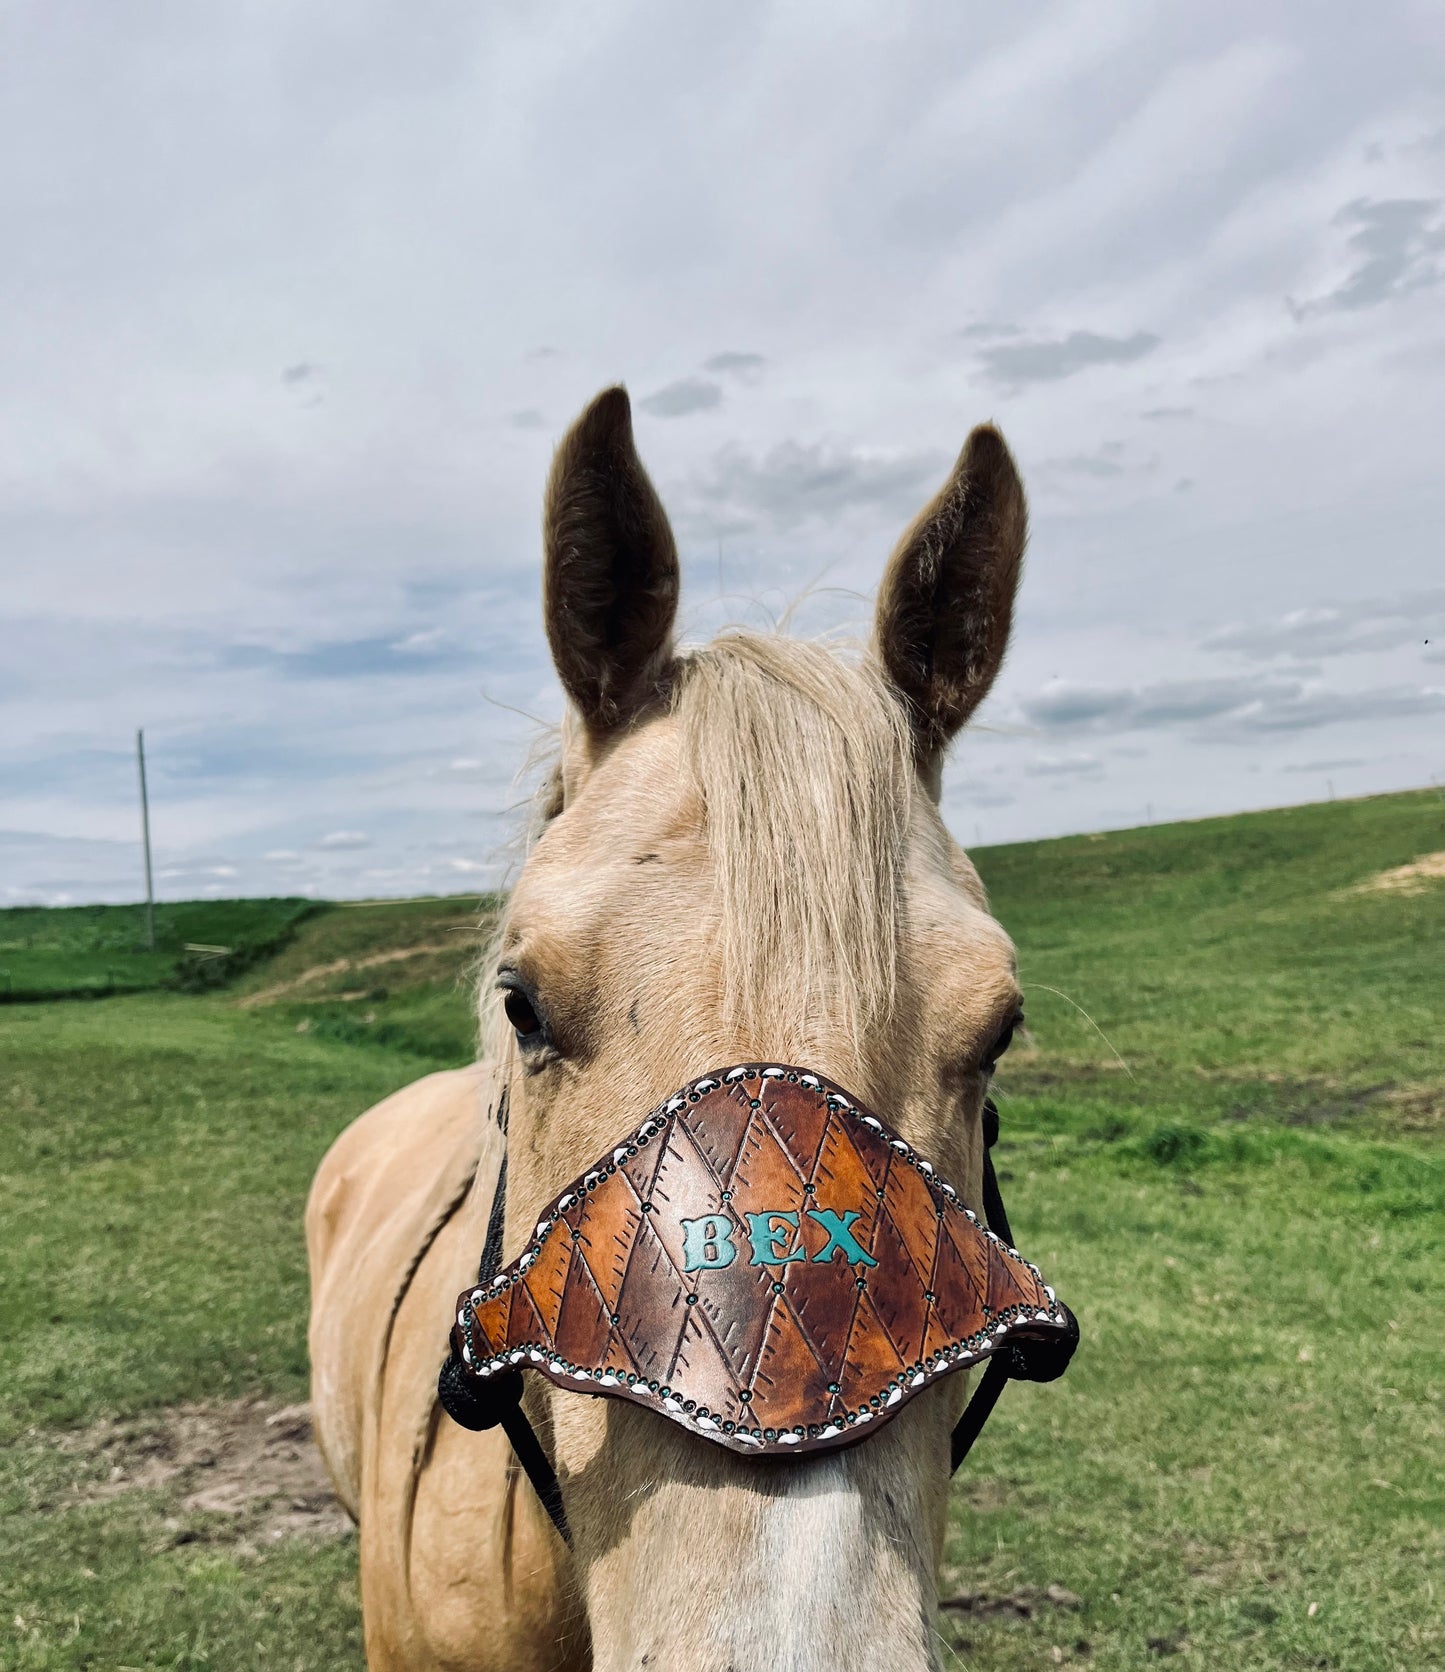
(743, 859)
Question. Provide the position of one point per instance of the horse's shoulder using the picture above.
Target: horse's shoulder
(385, 1188)
(398, 1145)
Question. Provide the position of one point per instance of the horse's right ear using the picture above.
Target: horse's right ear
(611, 579)
(946, 603)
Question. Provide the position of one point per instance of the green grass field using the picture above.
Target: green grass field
(1233, 1167)
(98, 951)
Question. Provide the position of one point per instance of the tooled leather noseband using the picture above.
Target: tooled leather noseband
(766, 1263)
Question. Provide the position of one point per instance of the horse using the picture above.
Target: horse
(738, 855)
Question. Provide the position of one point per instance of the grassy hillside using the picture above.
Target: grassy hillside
(1249, 1218)
(392, 972)
(386, 972)
(1264, 965)
(92, 951)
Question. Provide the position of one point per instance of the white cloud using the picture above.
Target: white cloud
(683, 398)
(1338, 630)
(432, 638)
(1046, 361)
(1063, 766)
(1222, 706)
(791, 485)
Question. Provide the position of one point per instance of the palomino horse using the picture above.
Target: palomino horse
(740, 858)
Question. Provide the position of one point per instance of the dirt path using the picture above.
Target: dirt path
(340, 966)
(1407, 879)
(245, 1472)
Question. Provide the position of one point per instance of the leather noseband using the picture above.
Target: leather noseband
(764, 1262)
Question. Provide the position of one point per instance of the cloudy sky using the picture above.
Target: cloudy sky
(296, 300)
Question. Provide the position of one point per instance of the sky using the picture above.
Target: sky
(297, 300)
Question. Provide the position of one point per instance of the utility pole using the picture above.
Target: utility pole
(145, 825)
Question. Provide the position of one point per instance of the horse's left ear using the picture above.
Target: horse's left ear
(946, 602)
(611, 577)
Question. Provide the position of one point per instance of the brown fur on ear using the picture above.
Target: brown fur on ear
(946, 602)
(611, 577)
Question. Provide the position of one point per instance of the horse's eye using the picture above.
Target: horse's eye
(521, 1014)
(1002, 1042)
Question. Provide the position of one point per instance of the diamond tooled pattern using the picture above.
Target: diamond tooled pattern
(778, 1348)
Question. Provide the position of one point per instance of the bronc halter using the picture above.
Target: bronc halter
(763, 1261)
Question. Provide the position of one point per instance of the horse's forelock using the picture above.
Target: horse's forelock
(803, 759)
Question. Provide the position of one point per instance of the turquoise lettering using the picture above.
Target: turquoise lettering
(707, 1243)
(840, 1235)
(769, 1232)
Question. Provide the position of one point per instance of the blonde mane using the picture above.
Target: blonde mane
(803, 762)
